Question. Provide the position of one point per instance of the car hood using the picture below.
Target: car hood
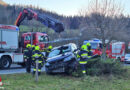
(59, 57)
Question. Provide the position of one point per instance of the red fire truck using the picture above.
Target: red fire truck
(113, 50)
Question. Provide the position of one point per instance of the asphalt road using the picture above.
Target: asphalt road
(18, 69)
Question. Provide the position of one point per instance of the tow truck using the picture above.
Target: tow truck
(12, 45)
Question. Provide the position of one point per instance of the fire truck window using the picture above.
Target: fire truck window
(94, 45)
(27, 37)
(46, 38)
(42, 39)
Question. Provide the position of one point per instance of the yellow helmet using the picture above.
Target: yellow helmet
(88, 44)
(83, 47)
(33, 46)
(37, 48)
(28, 46)
(49, 47)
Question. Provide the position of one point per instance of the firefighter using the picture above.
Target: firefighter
(89, 50)
(47, 50)
(27, 57)
(37, 55)
(83, 56)
(33, 48)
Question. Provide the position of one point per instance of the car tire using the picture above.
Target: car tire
(47, 70)
(5, 62)
(71, 68)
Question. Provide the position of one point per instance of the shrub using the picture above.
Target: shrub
(102, 67)
(109, 66)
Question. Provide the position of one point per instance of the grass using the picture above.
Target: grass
(63, 82)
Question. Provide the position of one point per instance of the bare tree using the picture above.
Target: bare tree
(105, 19)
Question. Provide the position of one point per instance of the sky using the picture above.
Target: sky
(64, 7)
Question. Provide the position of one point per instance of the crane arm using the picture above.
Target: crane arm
(50, 22)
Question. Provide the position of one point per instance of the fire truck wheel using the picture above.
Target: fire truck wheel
(5, 62)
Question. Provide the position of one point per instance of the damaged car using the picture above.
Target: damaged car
(62, 59)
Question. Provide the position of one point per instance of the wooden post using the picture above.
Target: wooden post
(36, 74)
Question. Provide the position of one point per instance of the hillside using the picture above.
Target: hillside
(122, 26)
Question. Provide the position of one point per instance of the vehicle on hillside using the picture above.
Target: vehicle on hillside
(62, 59)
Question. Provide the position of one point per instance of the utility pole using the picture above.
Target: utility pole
(32, 36)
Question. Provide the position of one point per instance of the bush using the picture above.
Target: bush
(102, 67)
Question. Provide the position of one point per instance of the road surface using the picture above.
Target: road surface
(15, 69)
(18, 69)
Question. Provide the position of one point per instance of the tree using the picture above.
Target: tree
(105, 19)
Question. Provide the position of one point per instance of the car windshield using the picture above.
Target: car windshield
(54, 52)
(127, 55)
(59, 51)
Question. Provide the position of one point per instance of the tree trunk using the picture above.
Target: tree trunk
(104, 53)
(103, 57)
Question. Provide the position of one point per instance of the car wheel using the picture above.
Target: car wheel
(47, 70)
(5, 62)
(71, 68)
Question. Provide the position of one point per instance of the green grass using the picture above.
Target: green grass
(63, 82)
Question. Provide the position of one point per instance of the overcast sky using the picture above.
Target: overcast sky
(65, 7)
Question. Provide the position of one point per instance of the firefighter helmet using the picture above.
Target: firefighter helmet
(37, 48)
(49, 47)
(33, 46)
(28, 46)
(83, 47)
(88, 44)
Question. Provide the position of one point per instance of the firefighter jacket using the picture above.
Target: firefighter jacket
(27, 53)
(47, 51)
(83, 55)
(37, 55)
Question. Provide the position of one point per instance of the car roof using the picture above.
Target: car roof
(70, 44)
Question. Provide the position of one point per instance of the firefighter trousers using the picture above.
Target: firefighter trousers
(83, 65)
(40, 64)
(28, 65)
